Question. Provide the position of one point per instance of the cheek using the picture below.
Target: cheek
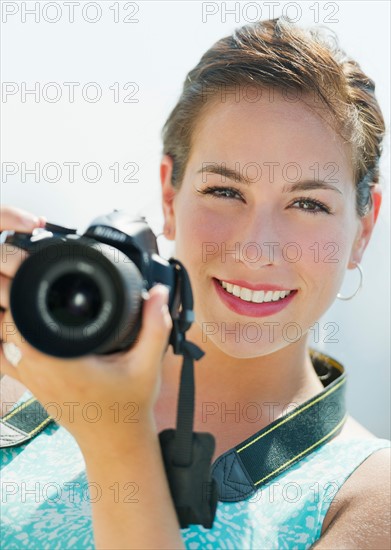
(200, 232)
(320, 249)
(325, 254)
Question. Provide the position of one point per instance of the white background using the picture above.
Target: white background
(157, 47)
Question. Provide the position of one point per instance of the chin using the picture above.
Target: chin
(241, 348)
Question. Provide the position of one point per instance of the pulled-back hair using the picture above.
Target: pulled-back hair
(279, 54)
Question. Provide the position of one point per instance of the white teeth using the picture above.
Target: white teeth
(257, 296)
(236, 290)
(245, 294)
(268, 296)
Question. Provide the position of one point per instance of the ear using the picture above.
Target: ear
(168, 196)
(366, 225)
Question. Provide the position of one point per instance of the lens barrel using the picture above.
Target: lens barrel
(76, 297)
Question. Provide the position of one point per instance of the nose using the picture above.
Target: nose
(260, 245)
(254, 256)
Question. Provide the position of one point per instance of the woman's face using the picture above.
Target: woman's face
(267, 202)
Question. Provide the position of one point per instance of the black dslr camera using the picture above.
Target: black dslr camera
(81, 294)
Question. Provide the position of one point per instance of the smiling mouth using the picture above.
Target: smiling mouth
(255, 296)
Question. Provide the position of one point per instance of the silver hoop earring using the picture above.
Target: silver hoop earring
(340, 297)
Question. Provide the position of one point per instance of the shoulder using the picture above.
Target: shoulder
(363, 518)
(362, 503)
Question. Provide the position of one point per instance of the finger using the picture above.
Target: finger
(8, 330)
(156, 323)
(19, 220)
(9, 335)
(5, 285)
(6, 366)
(11, 259)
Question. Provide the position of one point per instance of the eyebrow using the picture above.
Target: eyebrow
(306, 185)
(222, 170)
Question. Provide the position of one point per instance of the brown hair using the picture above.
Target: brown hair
(277, 53)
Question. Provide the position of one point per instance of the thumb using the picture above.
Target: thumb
(156, 322)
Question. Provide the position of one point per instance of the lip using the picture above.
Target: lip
(251, 309)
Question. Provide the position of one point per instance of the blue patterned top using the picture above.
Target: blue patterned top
(45, 498)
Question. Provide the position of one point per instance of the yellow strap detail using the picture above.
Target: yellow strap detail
(46, 421)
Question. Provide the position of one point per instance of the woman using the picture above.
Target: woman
(270, 158)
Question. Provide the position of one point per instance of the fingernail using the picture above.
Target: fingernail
(12, 353)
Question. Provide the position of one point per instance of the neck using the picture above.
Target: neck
(238, 397)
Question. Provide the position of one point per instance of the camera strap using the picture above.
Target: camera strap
(188, 455)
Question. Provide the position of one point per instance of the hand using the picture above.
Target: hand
(94, 394)
(11, 258)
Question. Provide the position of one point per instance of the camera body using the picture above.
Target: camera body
(81, 294)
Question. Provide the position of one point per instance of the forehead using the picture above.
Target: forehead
(269, 130)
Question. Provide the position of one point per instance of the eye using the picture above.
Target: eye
(311, 206)
(221, 192)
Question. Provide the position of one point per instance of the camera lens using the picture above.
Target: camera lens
(75, 297)
(74, 300)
